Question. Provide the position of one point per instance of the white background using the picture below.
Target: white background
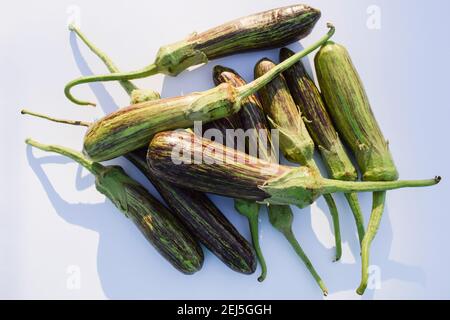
(54, 224)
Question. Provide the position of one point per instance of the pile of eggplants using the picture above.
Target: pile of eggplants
(330, 117)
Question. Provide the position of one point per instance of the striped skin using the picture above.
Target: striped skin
(264, 30)
(203, 219)
(273, 28)
(132, 127)
(349, 106)
(218, 173)
(320, 126)
(347, 102)
(157, 224)
(250, 116)
(187, 160)
(295, 141)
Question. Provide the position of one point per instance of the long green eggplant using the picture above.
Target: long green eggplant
(349, 106)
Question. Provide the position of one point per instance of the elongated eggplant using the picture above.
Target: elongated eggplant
(268, 29)
(161, 228)
(190, 161)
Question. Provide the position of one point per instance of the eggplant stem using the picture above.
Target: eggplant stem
(253, 224)
(332, 186)
(94, 167)
(379, 199)
(352, 199)
(337, 229)
(65, 121)
(120, 76)
(289, 235)
(257, 84)
(127, 85)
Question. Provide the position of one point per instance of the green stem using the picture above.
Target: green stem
(379, 199)
(332, 186)
(147, 71)
(257, 84)
(352, 199)
(310, 163)
(121, 76)
(337, 229)
(254, 231)
(127, 85)
(298, 249)
(65, 121)
(94, 167)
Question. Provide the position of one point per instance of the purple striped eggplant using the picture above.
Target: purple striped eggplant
(268, 29)
(187, 160)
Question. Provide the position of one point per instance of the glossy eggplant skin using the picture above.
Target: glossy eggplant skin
(203, 219)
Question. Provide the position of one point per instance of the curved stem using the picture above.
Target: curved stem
(352, 199)
(127, 85)
(372, 228)
(298, 249)
(254, 231)
(332, 186)
(337, 229)
(65, 121)
(94, 167)
(260, 82)
(145, 72)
